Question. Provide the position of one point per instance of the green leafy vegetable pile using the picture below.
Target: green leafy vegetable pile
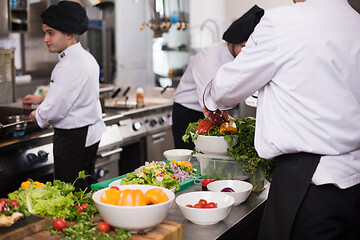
(56, 200)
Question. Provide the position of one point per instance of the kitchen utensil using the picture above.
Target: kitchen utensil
(126, 91)
(178, 155)
(116, 93)
(17, 122)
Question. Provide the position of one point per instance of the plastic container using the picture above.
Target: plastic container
(140, 98)
(225, 168)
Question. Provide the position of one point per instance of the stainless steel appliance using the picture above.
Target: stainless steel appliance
(24, 153)
(159, 134)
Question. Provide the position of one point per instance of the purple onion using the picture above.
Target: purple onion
(227, 189)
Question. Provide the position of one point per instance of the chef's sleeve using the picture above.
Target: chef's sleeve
(65, 87)
(250, 71)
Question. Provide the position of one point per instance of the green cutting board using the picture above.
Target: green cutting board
(182, 184)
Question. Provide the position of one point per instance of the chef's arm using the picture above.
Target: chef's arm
(30, 99)
(251, 70)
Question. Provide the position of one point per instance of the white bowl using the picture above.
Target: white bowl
(178, 155)
(215, 145)
(205, 216)
(117, 183)
(134, 218)
(242, 189)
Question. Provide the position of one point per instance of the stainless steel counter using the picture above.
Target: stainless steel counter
(241, 223)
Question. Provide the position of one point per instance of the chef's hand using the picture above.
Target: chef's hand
(29, 99)
(209, 114)
(32, 116)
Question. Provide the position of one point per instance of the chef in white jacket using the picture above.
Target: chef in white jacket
(201, 70)
(72, 105)
(305, 61)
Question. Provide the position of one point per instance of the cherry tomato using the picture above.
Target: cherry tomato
(59, 224)
(203, 202)
(160, 174)
(103, 227)
(3, 200)
(210, 205)
(84, 205)
(14, 203)
(79, 209)
(115, 187)
(189, 205)
(198, 205)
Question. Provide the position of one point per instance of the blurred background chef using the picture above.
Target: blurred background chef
(201, 70)
(72, 103)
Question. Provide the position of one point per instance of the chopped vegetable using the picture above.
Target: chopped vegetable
(227, 189)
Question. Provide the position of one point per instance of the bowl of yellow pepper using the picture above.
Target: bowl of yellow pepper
(134, 207)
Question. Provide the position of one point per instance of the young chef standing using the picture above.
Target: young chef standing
(72, 103)
(305, 62)
(187, 106)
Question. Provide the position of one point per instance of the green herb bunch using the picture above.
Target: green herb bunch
(244, 150)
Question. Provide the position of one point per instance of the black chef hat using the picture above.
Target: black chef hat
(241, 29)
(67, 17)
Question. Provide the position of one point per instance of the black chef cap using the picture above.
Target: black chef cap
(241, 29)
(67, 17)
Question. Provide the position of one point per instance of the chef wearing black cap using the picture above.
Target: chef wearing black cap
(202, 68)
(72, 103)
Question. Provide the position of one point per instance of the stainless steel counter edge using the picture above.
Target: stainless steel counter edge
(234, 226)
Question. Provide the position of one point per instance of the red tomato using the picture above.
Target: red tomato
(59, 224)
(115, 187)
(84, 205)
(3, 200)
(160, 174)
(14, 203)
(189, 205)
(203, 202)
(210, 205)
(103, 227)
(198, 205)
(79, 209)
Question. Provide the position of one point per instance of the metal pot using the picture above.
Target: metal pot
(16, 122)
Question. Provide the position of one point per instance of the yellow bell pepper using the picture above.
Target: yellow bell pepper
(25, 184)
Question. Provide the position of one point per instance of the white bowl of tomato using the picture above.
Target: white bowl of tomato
(129, 211)
(205, 208)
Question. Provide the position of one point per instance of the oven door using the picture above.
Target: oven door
(107, 165)
(157, 143)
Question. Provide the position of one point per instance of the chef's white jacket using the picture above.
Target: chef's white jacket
(305, 61)
(72, 100)
(200, 71)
